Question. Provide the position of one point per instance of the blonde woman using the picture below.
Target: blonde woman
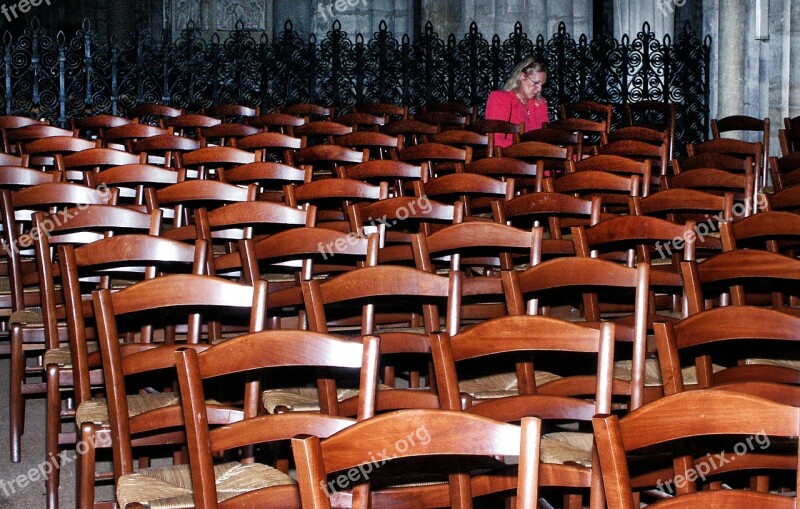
(520, 100)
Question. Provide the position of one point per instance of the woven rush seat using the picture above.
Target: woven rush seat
(303, 399)
(652, 372)
(567, 447)
(784, 363)
(63, 357)
(171, 487)
(31, 317)
(96, 410)
(500, 385)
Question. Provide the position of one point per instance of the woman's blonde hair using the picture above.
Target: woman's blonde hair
(528, 66)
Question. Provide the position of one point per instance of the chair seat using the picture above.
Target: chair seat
(63, 357)
(171, 487)
(784, 363)
(652, 372)
(31, 317)
(567, 447)
(96, 410)
(499, 385)
(303, 399)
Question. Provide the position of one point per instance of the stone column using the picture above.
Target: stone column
(793, 24)
(730, 76)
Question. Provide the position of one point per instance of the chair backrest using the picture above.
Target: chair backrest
(142, 303)
(738, 273)
(618, 165)
(726, 344)
(333, 198)
(255, 354)
(441, 158)
(329, 157)
(78, 164)
(588, 109)
(148, 113)
(789, 140)
(232, 111)
(307, 110)
(409, 434)
(396, 172)
(549, 159)
(361, 121)
(190, 124)
(93, 126)
(323, 130)
(224, 134)
(120, 256)
(743, 123)
(784, 170)
(414, 131)
(126, 134)
(207, 159)
(655, 115)
(276, 147)
(282, 122)
(613, 190)
(133, 180)
(775, 231)
(554, 282)
(168, 147)
(269, 176)
(474, 190)
(639, 150)
(705, 417)
(482, 144)
(380, 145)
(384, 109)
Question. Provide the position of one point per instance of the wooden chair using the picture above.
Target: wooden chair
(228, 112)
(465, 110)
(743, 123)
(12, 160)
(789, 140)
(321, 131)
(654, 115)
(775, 231)
(309, 110)
(380, 145)
(164, 150)
(280, 122)
(585, 283)
(414, 131)
(190, 124)
(17, 137)
(588, 109)
(362, 121)
(523, 173)
(720, 182)
(393, 295)
(153, 114)
(131, 181)
(75, 166)
(482, 144)
(125, 135)
(567, 458)
(156, 418)
(614, 190)
(269, 176)
(238, 428)
(399, 173)
(753, 152)
(784, 171)
(77, 368)
(478, 250)
(791, 122)
(12, 122)
(555, 212)
(786, 200)
(550, 159)
(587, 132)
(328, 158)
(444, 120)
(640, 151)
(702, 417)
(475, 191)
(439, 157)
(728, 347)
(224, 134)
(431, 432)
(276, 147)
(499, 130)
(735, 277)
(93, 127)
(203, 163)
(333, 198)
(559, 137)
(618, 165)
(383, 109)
(42, 153)
(300, 254)
(26, 325)
(183, 198)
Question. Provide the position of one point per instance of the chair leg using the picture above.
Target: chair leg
(53, 419)
(573, 502)
(16, 405)
(84, 471)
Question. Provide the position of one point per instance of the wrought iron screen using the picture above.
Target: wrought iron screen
(53, 75)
